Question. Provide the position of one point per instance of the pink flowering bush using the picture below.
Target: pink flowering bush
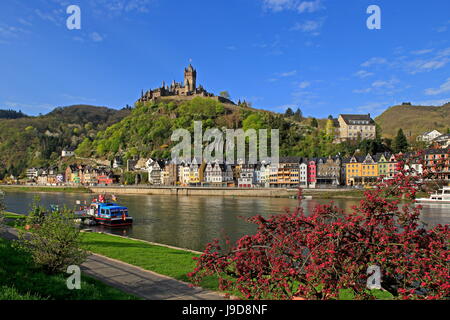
(317, 256)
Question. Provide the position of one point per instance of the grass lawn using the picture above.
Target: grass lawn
(163, 260)
(166, 261)
(20, 279)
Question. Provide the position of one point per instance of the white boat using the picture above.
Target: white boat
(442, 196)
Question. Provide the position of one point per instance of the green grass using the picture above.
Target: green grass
(45, 189)
(21, 279)
(166, 261)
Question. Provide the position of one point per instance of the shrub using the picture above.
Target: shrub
(321, 255)
(54, 242)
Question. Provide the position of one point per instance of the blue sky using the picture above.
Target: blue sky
(318, 55)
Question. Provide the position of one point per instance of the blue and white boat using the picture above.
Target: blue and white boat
(107, 213)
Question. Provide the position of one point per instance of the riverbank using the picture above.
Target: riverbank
(155, 271)
(67, 189)
(21, 280)
(337, 193)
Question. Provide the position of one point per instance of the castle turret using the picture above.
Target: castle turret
(190, 78)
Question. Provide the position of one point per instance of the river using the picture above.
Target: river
(191, 222)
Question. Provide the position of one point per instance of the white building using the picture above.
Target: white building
(443, 140)
(303, 174)
(67, 153)
(429, 136)
(183, 173)
(247, 177)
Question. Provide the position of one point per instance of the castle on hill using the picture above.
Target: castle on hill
(182, 91)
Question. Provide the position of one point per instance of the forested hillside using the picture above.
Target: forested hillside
(145, 131)
(38, 141)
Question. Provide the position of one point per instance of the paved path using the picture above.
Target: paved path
(134, 280)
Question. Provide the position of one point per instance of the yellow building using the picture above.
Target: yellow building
(355, 126)
(361, 171)
(369, 170)
(353, 171)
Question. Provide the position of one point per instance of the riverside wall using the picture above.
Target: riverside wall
(199, 191)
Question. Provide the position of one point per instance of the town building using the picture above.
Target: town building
(247, 178)
(355, 126)
(428, 136)
(442, 141)
(67, 152)
(437, 163)
(303, 178)
(154, 169)
(328, 171)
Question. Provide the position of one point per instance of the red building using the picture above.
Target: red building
(312, 172)
(105, 179)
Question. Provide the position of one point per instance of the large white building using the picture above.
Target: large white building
(429, 136)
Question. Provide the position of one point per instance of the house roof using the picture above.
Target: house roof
(442, 137)
(349, 118)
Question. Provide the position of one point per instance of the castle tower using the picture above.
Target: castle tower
(190, 78)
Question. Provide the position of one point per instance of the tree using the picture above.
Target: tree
(330, 251)
(289, 112)
(225, 94)
(329, 128)
(314, 123)
(54, 242)
(298, 116)
(400, 143)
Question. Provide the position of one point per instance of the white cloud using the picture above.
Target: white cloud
(373, 61)
(380, 87)
(9, 32)
(311, 26)
(421, 52)
(366, 90)
(437, 61)
(304, 84)
(293, 5)
(385, 84)
(288, 74)
(445, 87)
(25, 22)
(96, 37)
(310, 6)
(438, 102)
(363, 74)
(421, 65)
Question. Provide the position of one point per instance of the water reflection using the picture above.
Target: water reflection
(191, 222)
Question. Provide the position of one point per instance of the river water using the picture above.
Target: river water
(191, 222)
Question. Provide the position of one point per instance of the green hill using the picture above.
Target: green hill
(38, 141)
(414, 120)
(147, 130)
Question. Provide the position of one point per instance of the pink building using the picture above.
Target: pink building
(312, 168)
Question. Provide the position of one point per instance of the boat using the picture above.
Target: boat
(442, 196)
(105, 212)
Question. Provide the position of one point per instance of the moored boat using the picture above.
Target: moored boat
(442, 196)
(107, 213)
